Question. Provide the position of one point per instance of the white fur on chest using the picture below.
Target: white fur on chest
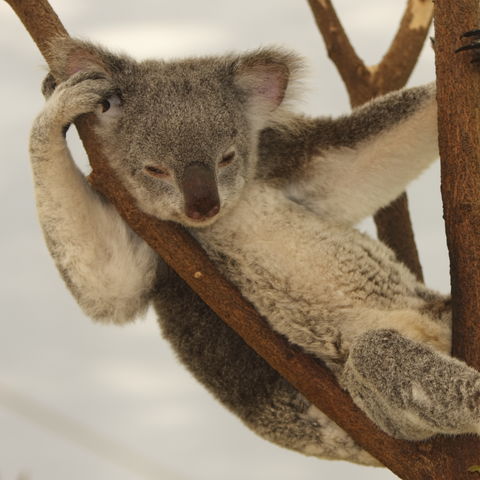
(270, 241)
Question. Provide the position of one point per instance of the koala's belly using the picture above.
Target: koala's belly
(271, 246)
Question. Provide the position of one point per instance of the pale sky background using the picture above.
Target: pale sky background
(85, 401)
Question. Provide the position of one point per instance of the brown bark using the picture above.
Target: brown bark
(354, 73)
(458, 98)
(394, 228)
(363, 83)
(411, 461)
(458, 94)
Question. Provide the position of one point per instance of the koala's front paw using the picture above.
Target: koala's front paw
(80, 94)
(474, 45)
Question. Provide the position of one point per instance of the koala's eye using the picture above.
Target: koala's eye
(111, 105)
(227, 159)
(157, 172)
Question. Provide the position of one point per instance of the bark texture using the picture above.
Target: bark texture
(363, 83)
(411, 461)
(458, 94)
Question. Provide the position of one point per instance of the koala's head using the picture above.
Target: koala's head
(182, 135)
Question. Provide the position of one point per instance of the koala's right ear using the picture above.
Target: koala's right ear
(266, 76)
(69, 56)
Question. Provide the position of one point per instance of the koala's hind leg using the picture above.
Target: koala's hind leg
(409, 390)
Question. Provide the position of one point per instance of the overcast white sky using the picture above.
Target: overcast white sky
(84, 401)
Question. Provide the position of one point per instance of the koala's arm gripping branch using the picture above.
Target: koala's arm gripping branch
(410, 461)
(364, 83)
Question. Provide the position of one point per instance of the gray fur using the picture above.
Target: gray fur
(418, 392)
(284, 234)
(246, 385)
(284, 153)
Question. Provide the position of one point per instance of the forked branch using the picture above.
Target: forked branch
(364, 83)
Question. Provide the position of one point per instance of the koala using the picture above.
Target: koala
(273, 197)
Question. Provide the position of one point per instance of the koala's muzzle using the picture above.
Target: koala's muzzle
(200, 191)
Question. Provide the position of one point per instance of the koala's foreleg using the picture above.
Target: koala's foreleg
(409, 390)
(347, 168)
(107, 267)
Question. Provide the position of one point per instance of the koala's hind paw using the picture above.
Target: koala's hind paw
(409, 390)
(474, 45)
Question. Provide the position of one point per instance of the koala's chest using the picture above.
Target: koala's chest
(271, 246)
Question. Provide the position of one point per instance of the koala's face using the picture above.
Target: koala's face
(182, 135)
(180, 138)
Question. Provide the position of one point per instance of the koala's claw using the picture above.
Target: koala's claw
(470, 46)
(471, 33)
(474, 45)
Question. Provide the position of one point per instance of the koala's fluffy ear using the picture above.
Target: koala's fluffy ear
(265, 76)
(70, 56)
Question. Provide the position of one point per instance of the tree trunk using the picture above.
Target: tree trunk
(458, 94)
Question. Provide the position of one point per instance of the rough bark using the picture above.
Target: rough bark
(411, 461)
(458, 98)
(458, 94)
(363, 83)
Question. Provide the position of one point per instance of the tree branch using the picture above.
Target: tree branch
(355, 75)
(363, 83)
(398, 63)
(394, 228)
(409, 460)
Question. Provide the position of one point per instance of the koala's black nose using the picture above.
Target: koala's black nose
(200, 191)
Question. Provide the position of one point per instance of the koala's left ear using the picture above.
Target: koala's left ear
(70, 56)
(264, 76)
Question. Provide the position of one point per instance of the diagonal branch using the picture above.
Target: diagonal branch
(364, 83)
(411, 461)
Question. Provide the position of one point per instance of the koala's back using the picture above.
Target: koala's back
(243, 381)
(214, 353)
